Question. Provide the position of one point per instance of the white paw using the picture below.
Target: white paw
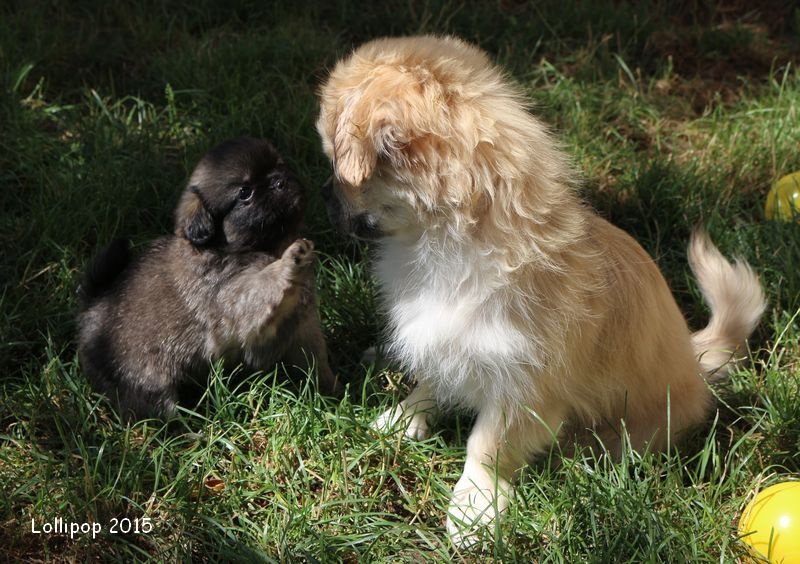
(477, 500)
(418, 428)
(414, 426)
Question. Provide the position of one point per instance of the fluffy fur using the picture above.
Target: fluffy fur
(232, 282)
(505, 293)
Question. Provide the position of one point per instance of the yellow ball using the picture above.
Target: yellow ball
(783, 200)
(770, 524)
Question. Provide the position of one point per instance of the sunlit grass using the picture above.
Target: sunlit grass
(105, 107)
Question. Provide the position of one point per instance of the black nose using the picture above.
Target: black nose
(327, 189)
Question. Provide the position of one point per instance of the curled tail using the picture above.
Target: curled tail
(104, 269)
(734, 294)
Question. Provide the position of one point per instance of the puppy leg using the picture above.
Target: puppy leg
(412, 415)
(145, 400)
(138, 389)
(256, 301)
(499, 445)
(310, 348)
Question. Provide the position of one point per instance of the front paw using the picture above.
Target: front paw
(414, 426)
(299, 255)
(477, 501)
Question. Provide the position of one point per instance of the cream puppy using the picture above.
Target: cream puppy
(505, 293)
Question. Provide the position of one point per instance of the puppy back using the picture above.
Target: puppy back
(104, 270)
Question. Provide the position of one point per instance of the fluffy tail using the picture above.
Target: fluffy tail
(104, 269)
(735, 297)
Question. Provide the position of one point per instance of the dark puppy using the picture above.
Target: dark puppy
(233, 282)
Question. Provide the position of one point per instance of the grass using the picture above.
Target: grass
(675, 116)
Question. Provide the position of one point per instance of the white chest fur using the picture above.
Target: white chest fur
(451, 324)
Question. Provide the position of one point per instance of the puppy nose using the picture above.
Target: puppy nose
(327, 189)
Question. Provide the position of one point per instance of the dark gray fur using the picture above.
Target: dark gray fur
(234, 281)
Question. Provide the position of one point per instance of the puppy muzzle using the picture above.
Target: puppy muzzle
(365, 226)
(360, 225)
(327, 190)
(333, 206)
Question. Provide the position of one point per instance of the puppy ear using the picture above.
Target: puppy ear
(354, 154)
(193, 220)
(380, 120)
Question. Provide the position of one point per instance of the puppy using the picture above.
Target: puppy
(505, 294)
(234, 281)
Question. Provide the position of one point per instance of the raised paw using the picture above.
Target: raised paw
(300, 254)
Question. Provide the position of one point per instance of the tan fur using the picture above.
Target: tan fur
(505, 293)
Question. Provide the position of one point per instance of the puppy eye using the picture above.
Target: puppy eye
(245, 194)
